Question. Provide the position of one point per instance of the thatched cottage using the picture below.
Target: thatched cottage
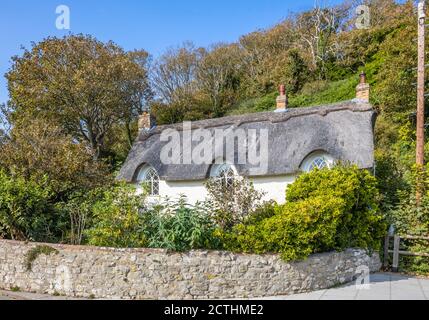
(269, 148)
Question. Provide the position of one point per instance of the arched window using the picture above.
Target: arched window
(149, 177)
(317, 160)
(224, 173)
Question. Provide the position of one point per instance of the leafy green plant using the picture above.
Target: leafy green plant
(232, 204)
(33, 253)
(26, 211)
(326, 210)
(297, 230)
(179, 226)
(79, 210)
(361, 223)
(411, 217)
(117, 217)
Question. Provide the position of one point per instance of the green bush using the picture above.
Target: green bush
(178, 226)
(25, 209)
(263, 211)
(233, 203)
(325, 210)
(304, 227)
(390, 179)
(295, 231)
(361, 224)
(117, 218)
(77, 213)
(123, 219)
(411, 217)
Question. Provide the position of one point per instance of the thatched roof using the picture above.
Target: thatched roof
(343, 130)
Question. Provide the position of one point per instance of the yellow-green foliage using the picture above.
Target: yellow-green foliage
(296, 230)
(360, 223)
(25, 208)
(117, 219)
(326, 210)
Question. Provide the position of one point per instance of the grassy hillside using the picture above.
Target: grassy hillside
(312, 94)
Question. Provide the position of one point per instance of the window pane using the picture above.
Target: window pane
(225, 175)
(151, 180)
(318, 163)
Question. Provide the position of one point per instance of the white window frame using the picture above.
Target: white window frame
(217, 172)
(309, 162)
(143, 177)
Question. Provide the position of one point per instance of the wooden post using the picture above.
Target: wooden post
(386, 251)
(396, 242)
(420, 129)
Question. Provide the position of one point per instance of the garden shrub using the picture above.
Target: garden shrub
(295, 231)
(263, 211)
(25, 209)
(390, 179)
(179, 226)
(232, 204)
(117, 218)
(77, 211)
(411, 217)
(361, 224)
(326, 210)
(124, 219)
(304, 227)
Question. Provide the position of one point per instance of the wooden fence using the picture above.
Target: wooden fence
(397, 252)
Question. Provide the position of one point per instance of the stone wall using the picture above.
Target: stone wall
(157, 274)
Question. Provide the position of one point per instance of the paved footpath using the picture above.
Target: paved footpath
(383, 286)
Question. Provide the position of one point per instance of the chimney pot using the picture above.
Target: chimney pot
(146, 121)
(362, 89)
(282, 100)
(362, 77)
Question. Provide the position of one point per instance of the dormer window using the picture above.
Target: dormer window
(317, 160)
(148, 177)
(224, 173)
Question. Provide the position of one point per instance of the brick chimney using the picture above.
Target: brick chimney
(282, 101)
(146, 121)
(362, 89)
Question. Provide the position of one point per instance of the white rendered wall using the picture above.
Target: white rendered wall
(273, 186)
(193, 190)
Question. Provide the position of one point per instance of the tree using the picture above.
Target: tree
(140, 93)
(218, 77)
(35, 150)
(317, 29)
(176, 78)
(80, 83)
(5, 125)
(296, 71)
(173, 74)
(264, 55)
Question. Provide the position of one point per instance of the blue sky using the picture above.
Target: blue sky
(153, 25)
